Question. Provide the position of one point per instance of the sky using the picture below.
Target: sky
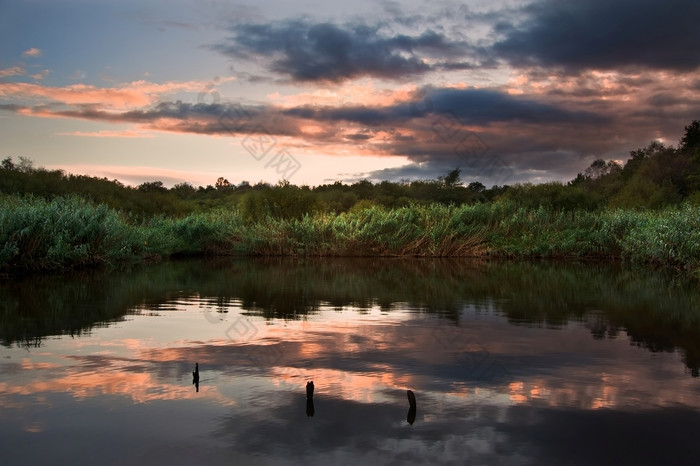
(316, 92)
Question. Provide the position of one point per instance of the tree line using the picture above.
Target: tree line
(653, 177)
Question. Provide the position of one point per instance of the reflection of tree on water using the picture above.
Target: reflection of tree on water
(600, 326)
(195, 376)
(652, 308)
(310, 410)
(411, 417)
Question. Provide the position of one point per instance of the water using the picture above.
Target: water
(510, 363)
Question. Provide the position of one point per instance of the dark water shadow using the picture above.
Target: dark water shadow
(657, 310)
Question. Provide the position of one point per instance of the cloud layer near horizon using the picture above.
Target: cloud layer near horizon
(566, 82)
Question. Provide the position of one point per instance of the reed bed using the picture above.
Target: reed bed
(69, 232)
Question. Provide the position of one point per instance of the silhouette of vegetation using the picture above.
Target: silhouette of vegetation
(657, 310)
(645, 210)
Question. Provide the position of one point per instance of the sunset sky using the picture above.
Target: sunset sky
(317, 92)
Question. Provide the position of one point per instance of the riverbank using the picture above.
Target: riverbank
(70, 232)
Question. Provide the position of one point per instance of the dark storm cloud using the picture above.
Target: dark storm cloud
(182, 117)
(308, 51)
(484, 105)
(11, 107)
(490, 168)
(495, 137)
(604, 34)
(568, 34)
(358, 137)
(469, 106)
(364, 115)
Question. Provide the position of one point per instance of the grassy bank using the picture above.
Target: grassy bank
(37, 234)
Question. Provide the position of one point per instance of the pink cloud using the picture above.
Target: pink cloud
(40, 75)
(135, 175)
(109, 134)
(13, 71)
(134, 94)
(32, 52)
(365, 92)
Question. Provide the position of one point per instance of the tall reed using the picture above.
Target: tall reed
(36, 234)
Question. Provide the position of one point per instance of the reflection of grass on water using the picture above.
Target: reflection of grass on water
(656, 310)
(68, 232)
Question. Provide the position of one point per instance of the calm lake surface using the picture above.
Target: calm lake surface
(510, 363)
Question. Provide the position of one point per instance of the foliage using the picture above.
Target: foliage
(645, 210)
(36, 234)
(70, 232)
(653, 177)
(691, 138)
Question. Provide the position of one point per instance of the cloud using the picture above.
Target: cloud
(135, 175)
(32, 52)
(327, 52)
(12, 71)
(470, 106)
(554, 35)
(603, 34)
(538, 127)
(108, 134)
(133, 94)
(223, 119)
(483, 106)
(491, 135)
(40, 75)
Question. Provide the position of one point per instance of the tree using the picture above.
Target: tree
(452, 179)
(597, 169)
(476, 187)
(222, 183)
(579, 180)
(7, 164)
(26, 165)
(183, 189)
(691, 138)
(152, 186)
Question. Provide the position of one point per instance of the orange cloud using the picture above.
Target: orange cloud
(140, 387)
(363, 93)
(134, 94)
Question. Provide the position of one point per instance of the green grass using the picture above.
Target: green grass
(37, 234)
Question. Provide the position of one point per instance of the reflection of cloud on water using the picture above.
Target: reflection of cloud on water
(371, 387)
(347, 431)
(350, 432)
(362, 369)
(564, 368)
(363, 359)
(98, 375)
